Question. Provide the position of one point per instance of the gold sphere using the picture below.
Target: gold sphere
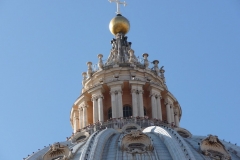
(119, 24)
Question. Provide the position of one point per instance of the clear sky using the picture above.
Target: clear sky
(45, 44)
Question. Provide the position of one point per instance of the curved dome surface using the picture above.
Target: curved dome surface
(165, 142)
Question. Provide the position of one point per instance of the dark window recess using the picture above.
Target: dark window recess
(109, 113)
(127, 111)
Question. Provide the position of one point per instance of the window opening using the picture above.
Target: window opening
(109, 113)
(127, 111)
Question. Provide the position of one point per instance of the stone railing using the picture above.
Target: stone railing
(106, 65)
(138, 62)
(118, 123)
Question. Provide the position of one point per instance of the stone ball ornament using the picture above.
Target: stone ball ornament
(119, 24)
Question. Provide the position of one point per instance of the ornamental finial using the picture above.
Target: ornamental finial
(118, 2)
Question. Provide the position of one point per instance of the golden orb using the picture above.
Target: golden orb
(119, 24)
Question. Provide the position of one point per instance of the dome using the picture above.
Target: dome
(126, 112)
(119, 24)
(154, 142)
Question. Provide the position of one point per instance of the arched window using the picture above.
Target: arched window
(145, 112)
(109, 113)
(127, 111)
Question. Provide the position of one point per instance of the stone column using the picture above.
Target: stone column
(120, 105)
(80, 117)
(85, 116)
(95, 110)
(113, 102)
(76, 121)
(169, 119)
(172, 114)
(159, 108)
(176, 117)
(134, 103)
(140, 100)
(154, 106)
(100, 108)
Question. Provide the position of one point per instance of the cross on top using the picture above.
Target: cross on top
(118, 2)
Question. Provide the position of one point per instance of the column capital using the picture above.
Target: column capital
(152, 95)
(133, 90)
(140, 91)
(94, 98)
(86, 106)
(75, 116)
(158, 96)
(99, 96)
(113, 92)
(119, 91)
(82, 105)
(168, 101)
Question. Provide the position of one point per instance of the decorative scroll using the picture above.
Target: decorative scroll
(212, 147)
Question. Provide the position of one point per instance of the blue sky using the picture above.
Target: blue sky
(45, 44)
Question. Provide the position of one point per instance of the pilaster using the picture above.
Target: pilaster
(176, 117)
(134, 102)
(137, 98)
(97, 103)
(159, 107)
(76, 121)
(154, 106)
(116, 99)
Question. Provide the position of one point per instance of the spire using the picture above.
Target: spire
(121, 51)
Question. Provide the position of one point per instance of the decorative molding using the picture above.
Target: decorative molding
(212, 147)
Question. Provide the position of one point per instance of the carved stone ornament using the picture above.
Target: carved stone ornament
(212, 147)
(58, 151)
(183, 132)
(136, 142)
(80, 136)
